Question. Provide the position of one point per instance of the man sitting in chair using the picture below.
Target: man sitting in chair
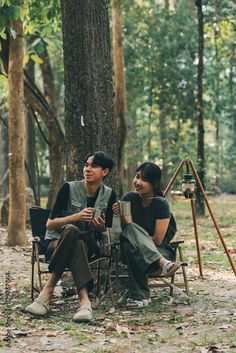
(72, 237)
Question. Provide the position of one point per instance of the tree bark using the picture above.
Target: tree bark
(4, 155)
(17, 199)
(120, 90)
(200, 206)
(89, 116)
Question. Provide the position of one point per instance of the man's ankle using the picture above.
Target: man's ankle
(85, 303)
(45, 297)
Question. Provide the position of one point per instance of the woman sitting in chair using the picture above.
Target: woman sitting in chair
(146, 234)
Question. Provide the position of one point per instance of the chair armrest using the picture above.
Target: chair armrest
(176, 244)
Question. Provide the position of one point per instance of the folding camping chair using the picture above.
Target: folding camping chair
(119, 272)
(38, 219)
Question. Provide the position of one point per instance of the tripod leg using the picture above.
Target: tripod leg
(173, 178)
(212, 217)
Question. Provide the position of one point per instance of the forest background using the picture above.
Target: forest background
(166, 66)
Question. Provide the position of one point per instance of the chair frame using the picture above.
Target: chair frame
(99, 264)
(176, 245)
(155, 280)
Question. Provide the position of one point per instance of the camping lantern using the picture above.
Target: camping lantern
(188, 186)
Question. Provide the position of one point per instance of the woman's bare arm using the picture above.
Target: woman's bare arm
(160, 230)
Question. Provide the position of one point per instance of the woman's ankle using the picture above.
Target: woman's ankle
(163, 262)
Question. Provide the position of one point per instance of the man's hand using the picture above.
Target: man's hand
(99, 223)
(85, 215)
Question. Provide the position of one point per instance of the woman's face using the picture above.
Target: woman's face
(142, 187)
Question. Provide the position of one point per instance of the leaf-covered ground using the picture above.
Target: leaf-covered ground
(207, 324)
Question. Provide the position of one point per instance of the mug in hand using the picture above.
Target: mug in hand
(125, 208)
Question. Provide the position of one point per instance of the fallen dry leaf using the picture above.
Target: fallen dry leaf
(123, 329)
(224, 327)
(112, 310)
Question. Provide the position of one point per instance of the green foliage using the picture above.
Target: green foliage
(160, 51)
(160, 47)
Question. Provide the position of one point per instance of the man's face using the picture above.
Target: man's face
(93, 172)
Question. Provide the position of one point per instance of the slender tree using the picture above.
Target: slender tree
(30, 138)
(56, 150)
(200, 206)
(17, 202)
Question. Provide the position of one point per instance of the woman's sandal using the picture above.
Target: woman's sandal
(170, 268)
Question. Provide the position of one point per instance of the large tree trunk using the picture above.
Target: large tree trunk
(56, 148)
(89, 116)
(17, 200)
(120, 91)
(200, 206)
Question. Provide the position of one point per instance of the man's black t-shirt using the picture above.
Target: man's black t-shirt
(63, 198)
(146, 217)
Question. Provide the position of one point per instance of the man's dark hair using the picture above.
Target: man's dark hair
(151, 173)
(102, 159)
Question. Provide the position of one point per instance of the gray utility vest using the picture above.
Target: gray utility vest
(78, 201)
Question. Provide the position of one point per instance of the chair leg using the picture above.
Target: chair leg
(171, 287)
(98, 280)
(183, 271)
(108, 288)
(38, 267)
(32, 273)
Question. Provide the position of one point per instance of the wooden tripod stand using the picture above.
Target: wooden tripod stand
(189, 164)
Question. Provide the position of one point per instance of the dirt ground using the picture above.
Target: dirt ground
(206, 324)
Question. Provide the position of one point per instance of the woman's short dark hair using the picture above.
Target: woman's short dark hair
(151, 173)
(101, 159)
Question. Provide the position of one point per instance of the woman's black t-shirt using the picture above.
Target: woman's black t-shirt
(146, 217)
